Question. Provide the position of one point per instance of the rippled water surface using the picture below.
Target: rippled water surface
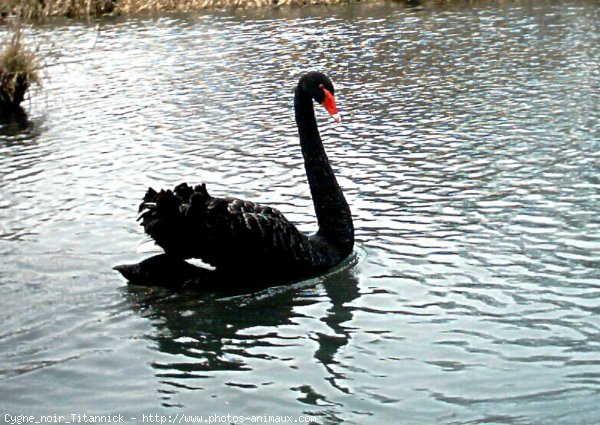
(469, 154)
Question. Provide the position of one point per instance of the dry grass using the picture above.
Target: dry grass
(19, 68)
(136, 6)
(33, 9)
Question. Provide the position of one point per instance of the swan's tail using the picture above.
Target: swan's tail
(175, 219)
(164, 270)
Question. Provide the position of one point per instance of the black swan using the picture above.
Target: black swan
(244, 241)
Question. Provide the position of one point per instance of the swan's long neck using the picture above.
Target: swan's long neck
(332, 210)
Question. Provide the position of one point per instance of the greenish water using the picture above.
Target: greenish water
(469, 155)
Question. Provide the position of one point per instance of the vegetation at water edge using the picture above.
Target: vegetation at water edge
(19, 68)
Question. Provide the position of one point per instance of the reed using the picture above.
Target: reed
(35, 9)
(136, 6)
(19, 68)
(32, 9)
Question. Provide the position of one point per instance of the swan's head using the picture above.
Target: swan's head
(318, 86)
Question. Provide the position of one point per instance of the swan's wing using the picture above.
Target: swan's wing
(245, 233)
(224, 232)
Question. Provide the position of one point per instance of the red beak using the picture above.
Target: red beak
(329, 105)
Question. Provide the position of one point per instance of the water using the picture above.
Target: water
(469, 154)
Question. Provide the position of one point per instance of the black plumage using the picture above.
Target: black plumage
(243, 240)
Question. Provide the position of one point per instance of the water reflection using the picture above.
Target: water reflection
(198, 327)
(199, 335)
(17, 125)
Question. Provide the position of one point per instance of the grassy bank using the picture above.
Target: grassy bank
(32, 9)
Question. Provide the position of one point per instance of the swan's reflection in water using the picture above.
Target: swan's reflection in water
(198, 336)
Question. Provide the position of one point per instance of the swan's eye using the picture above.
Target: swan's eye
(325, 91)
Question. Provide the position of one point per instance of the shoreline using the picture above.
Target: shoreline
(32, 10)
(40, 9)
